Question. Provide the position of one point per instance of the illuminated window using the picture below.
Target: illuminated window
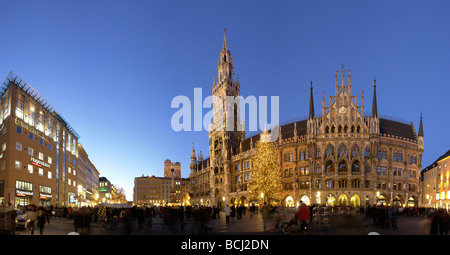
(19, 106)
(30, 151)
(41, 156)
(40, 122)
(4, 147)
(18, 165)
(18, 146)
(41, 172)
(49, 129)
(31, 114)
(30, 168)
(49, 160)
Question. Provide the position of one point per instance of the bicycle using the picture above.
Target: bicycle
(292, 226)
(110, 224)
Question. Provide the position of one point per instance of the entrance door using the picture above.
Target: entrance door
(289, 202)
(343, 200)
(355, 201)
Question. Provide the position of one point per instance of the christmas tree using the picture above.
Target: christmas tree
(265, 179)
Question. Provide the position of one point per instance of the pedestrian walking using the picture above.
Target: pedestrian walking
(233, 213)
(30, 218)
(140, 217)
(227, 214)
(188, 213)
(41, 220)
(265, 213)
(239, 211)
(444, 224)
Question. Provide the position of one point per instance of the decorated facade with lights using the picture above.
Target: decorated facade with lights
(39, 157)
(342, 157)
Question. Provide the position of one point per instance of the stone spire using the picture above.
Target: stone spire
(311, 104)
(225, 45)
(420, 126)
(193, 151)
(225, 68)
(374, 101)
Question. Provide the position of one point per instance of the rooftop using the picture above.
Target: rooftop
(14, 78)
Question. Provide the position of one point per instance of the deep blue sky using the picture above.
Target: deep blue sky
(111, 68)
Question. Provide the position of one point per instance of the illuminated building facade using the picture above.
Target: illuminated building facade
(170, 189)
(344, 157)
(435, 183)
(105, 190)
(38, 157)
(152, 190)
(88, 179)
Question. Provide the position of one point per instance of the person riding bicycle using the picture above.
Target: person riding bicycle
(302, 215)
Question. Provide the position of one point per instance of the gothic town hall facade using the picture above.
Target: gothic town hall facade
(341, 158)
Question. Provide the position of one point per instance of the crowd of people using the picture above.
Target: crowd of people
(174, 218)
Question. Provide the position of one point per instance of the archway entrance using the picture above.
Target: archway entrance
(305, 200)
(412, 201)
(382, 200)
(330, 200)
(342, 200)
(289, 201)
(355, 201)
(398, 201)
(243, 201)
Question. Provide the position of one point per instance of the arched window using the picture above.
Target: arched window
(329, 167)
(288, 156)
(342, 150)
(355, 150)
(342, 167)
(327, 130)
(355, 167)
(367, 152)
(329, 150)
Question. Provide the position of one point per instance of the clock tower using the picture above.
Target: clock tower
(224, 135)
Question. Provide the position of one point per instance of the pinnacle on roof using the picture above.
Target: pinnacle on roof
(374, 101)
(420, 126)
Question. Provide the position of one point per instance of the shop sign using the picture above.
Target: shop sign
(39, 163)
(23, 193)
(45, 196)
(102, 189)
